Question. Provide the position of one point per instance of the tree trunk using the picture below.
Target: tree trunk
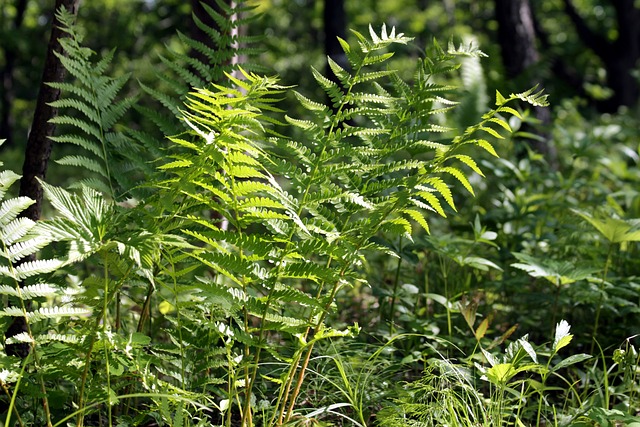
(517, 39)
(516, 35)
(335, 25)
(38, 148)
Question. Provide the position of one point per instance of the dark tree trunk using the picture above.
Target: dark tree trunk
(620, 57)
(335, 25)
(6, 77)
(38, 148)
(516, 35)
(517, 39)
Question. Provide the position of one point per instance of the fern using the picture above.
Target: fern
(24, 284)
(197, 64)
(246, 236)
(92, 111)
(302, 213)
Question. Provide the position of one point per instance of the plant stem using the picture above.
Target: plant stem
(395, 289)
(601, 299)
(105, 335)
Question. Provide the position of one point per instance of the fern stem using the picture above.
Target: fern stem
(14, 395)
(396, 281)
(13, 407)
(305, 194)
(85, 373)
(183, 357)
(105, 334)
(116, 323)
(87, 360)
(36, 360)
(145, 313)
(601, 299)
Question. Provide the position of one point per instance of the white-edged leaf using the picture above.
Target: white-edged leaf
(562, 336)
(11, 208)
(30, 291)
(33, 268)
(15, 230)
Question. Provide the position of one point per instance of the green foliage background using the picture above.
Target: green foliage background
(252, 256)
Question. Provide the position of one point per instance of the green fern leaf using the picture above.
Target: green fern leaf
(442, 188)
(10, 209)
(432, 202)
(486, 145)
(417, 217)
(340, 72)
(397, 226)
(456, 173)
(309, 104)
(84, 162)
(11, 232)
(33, 268)
(79, 106)
(90, 130)
(491, 131)
(80, 142)
(182, 163)
(29, 291)
(509, 110)
(467, 160)
(22, 249)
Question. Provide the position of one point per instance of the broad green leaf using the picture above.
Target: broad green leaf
(613, 229)
(556, 272)
(571, 360)
(501, 373)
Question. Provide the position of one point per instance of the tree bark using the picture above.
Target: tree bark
(517, 39)
(335, 25)
(516, 35)
(39, 145)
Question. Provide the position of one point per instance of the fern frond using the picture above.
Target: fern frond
(30, 291)
(80, 141)
(459, 175)
(418, 217)
(7, 178)
(10, 209)
(87, 128)
(342, 74)
(93, 109)
(11, 232)
(24, 248)
(44, 313)
(32, 268)
(85, 162)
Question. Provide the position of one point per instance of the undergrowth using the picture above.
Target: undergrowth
(197, 277)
